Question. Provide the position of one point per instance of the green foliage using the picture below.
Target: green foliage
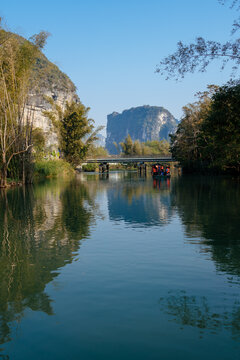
(39, 143)
(185, 142)
(17, 60)
(137, 148)
(127, 146)
(97, 151)
(48, 75)
(75, 130)
(52, 168)
(89, 167)
(221, 129)
(154, 147)
(208, 137)
(42, 227)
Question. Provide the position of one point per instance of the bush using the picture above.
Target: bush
(89, 167)
(52, 168)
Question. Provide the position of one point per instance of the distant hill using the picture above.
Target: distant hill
(143, 123)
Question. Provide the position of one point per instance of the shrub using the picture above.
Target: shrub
(52, 168)
(89, 167)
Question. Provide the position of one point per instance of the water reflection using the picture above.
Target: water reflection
(40, 229)
(200, 313)
(209, 209)
(140, 202)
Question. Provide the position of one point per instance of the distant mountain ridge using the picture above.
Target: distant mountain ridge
(142, 123)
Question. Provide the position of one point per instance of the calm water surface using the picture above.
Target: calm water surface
(121, 268)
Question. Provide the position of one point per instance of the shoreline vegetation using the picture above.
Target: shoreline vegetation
(23, 151)
(207, 139)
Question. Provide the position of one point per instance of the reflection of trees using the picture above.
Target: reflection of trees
(136, 200)
(40, 228)
(210, 209)
(139, 202)
(197, 312)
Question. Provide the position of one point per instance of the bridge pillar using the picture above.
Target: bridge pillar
(104, 168)
(142, 168)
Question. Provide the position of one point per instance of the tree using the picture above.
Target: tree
(185, 143)
(199, 54)
(75, 130)
(137, 148)
(127, 145)
(17, 59)
(156, 147)
(221, 129)
(208, 137)
(97, 151)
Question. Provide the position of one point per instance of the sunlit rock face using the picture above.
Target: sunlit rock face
(143, 123)
(37, 103)
(48, 82)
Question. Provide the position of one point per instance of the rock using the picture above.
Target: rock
(48, 81)
(143, 123)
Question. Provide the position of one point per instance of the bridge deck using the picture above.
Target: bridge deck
(111, 160)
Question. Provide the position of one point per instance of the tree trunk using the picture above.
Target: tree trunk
(3, 176)
(23, 169)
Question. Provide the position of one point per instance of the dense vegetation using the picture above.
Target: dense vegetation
(17, 59)
(23, 153)
(208, 137)
(75, 130)
(153, 147)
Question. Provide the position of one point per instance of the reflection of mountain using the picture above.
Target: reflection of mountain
(138, 203)
(210, 209)
(188, 310)
(40, 228)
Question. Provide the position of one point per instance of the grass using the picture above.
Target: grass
(52, 168)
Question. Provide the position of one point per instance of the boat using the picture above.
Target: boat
(158, 171)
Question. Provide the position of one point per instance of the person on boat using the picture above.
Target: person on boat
(154, 170)
(167, 170)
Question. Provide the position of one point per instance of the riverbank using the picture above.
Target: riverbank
(44, 169)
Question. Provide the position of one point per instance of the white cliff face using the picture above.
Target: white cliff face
(37, 104)
(143, 123)
(46, 80)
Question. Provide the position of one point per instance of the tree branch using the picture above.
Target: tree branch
(19, 152)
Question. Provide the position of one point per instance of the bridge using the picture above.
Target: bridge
(130, 159)
(139, 160)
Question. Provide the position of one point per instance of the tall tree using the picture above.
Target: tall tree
(208, 136)
(185, 143)
(221, 129)
(17, 59)
(127, 145)
(75, 130)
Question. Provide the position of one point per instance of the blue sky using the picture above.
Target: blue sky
(110, 49)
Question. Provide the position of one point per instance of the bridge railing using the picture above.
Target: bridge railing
(134, 157)
(137, 158)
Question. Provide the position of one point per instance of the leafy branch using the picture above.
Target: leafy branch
(198, 55)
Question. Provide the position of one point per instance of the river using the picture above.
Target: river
(121, 267)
